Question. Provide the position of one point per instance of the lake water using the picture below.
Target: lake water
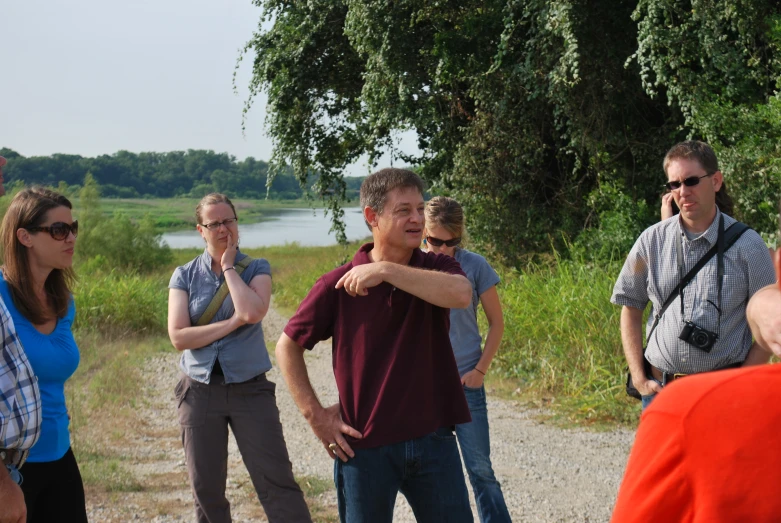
(303, 226)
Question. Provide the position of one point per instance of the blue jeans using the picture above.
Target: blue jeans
(426, 470)
(476, 448)
(646, 400)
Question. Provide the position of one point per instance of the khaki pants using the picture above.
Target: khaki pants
(205, 411)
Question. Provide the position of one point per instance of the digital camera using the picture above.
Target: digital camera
(701, 338)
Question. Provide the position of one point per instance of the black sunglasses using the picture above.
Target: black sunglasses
(436, 242)
(691, 181)
(58, 230)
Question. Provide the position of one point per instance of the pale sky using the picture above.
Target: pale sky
(94, 77)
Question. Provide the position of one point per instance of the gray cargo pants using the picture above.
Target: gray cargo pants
(205, 411)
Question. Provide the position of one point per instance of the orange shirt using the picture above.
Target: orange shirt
(708, 449)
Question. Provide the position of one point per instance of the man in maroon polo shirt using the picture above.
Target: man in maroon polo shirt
(399, 389)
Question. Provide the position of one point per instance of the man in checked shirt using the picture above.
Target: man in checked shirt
(20, 412)
(651, 273)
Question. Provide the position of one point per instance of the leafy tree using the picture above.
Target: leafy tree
(528, 111)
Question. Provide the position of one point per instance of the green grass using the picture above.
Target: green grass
(122, 303)
(106, 472)
(562, 340)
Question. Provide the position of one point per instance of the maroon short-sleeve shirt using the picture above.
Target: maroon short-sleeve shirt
(394, 366)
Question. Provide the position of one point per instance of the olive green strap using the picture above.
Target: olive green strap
(220, 295)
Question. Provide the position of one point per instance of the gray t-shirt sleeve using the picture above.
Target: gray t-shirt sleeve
(486, 277)
(631, 289)
(257, 267)
(178, 280)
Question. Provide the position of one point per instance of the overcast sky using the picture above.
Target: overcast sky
(94, 77)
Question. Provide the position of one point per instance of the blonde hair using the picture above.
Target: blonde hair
(446, 213)
(212, 199)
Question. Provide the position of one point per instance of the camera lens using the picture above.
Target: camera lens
(700, 339)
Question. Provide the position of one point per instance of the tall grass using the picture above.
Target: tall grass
(562, 338)
(116, 302)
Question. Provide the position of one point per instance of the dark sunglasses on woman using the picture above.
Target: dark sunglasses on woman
(691, 181)
(58, 230)
(436, 242)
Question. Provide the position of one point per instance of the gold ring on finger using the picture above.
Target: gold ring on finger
(333, 446)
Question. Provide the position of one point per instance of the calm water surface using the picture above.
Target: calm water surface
(303, 226)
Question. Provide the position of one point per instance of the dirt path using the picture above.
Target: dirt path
(547, 474)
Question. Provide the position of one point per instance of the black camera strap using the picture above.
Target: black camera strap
(728, 238)
(719, 270)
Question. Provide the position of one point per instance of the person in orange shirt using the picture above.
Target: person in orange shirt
(707, 448)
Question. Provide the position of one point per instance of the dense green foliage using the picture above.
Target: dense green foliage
(530, 112)
(193, 174)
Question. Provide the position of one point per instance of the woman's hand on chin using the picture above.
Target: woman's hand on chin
(229, 256)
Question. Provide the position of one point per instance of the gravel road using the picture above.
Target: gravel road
(548, 474)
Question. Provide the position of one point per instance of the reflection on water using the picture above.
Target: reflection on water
(303, 226)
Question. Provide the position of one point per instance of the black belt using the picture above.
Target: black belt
(667, 377)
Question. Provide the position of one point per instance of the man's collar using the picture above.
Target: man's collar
(711, 234)
(362, 256)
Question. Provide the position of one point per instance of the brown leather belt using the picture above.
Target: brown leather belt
(667, 377)
(13, 456)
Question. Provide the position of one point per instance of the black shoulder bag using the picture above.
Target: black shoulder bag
(730, 236)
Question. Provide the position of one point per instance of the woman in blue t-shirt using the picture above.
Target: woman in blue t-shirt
(443, 234)
(38, 235)
(224, 364)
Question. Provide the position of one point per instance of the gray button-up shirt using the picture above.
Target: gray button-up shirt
(650, 273)
(242, 353)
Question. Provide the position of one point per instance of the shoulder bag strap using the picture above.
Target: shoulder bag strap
(220, 295)
(731, 235)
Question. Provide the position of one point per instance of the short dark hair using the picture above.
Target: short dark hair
(693, 150)
(706, 157)
(376, 186)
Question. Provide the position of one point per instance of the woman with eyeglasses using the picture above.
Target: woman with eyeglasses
(215, 306)
(443, 234)
(38, 236)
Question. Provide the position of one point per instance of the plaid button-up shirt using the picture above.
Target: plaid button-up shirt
(650, 273)
(20, 400)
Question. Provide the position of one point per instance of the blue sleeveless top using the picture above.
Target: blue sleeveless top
(54, 359)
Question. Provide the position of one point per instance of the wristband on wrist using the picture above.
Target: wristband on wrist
(229, 268)
(481, 372)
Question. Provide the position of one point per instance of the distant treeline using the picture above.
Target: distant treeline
(193, 173)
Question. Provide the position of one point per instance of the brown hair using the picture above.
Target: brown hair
(693, 150)
(211, 199)
(446, 213)
(28, 209)
(376, 186)
(706, 157)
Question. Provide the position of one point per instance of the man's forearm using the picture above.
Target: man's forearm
(290, 359)
(632, 340)
(438, 288)
(764, 318)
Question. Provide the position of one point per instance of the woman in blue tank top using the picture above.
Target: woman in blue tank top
(444, 230)
(38, 235)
